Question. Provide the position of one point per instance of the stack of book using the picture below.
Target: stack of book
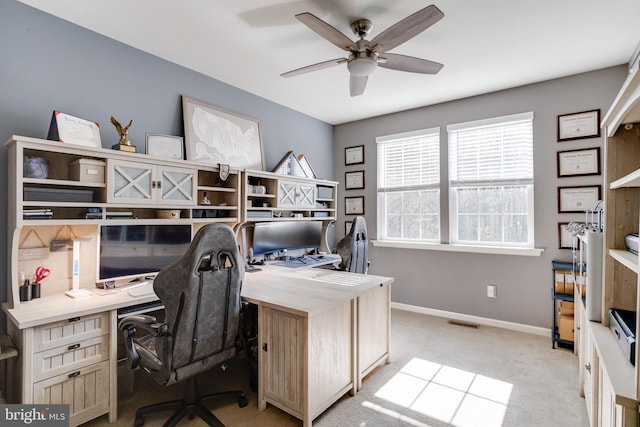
(119, 215)
(37, 214)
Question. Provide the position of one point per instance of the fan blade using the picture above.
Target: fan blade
(314, 67)
(398, 62)
(357, 84)
(327, 31)
(406, 29)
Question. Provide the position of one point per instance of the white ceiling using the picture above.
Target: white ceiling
(484, 45)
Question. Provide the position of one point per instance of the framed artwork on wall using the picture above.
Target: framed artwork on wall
(354, 155)
(578, 199)
(354, 180)
(585, 124)
(354, 205)
(219, 136)
(579, 162)
(565, 238)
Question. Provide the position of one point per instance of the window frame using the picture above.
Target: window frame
(529, 183)
(382, 191)
(446, 231)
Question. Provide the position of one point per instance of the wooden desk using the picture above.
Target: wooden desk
(320, 332)
(318, 339)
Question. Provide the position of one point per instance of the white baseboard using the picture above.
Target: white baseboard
(535, 330)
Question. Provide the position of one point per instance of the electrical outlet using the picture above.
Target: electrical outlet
(492, 291)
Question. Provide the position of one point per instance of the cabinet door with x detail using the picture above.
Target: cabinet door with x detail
(141, 183)
(294, 195)
(176, 185)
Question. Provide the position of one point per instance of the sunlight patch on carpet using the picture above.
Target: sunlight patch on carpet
(455, 396)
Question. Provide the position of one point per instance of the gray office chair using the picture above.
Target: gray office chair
(354, 248)
(201, 297)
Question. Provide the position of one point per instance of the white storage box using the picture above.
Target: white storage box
(87, 170)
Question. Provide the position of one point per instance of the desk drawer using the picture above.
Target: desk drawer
(85, 390)
(71, 357)
(70, 331)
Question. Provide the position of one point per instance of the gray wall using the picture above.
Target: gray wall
(48, 64)
(457, 282)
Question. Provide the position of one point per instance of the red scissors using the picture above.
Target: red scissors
(42, 273)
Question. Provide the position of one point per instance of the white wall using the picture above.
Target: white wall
(457, 282)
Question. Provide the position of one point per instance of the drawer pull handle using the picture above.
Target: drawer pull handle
(74, 319)
(73, 347)
(588, 367)
(74, 374)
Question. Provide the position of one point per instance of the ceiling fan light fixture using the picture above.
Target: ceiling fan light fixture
(362, 66)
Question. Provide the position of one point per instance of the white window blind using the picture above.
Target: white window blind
(492, 151)
(491, 181)
(409, 185)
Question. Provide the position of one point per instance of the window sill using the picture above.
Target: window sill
(497, 250)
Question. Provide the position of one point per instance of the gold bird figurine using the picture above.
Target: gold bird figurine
(122, 131)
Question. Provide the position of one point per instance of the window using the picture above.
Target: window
(409, 186)
(491, 181)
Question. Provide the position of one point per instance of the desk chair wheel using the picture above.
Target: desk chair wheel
(242, 401)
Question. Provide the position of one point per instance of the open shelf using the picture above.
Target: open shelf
(626, 258)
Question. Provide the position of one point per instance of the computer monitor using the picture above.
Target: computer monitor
(131, 251)
(271, 237)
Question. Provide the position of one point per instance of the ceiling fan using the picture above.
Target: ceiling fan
(364, 55)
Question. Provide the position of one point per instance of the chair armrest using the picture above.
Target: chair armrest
(129, 326)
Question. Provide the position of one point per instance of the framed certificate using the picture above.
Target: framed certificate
(354, 155)
(565, 239)
(354, 205)
(579, 162)
(166, 146)
(347, 227)
(578, 199)
(354, 180)
(579, 125)
(74, 130)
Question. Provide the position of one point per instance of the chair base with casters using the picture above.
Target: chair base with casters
(201, 298)
(192, 405)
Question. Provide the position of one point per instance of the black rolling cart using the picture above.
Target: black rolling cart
(562, 293)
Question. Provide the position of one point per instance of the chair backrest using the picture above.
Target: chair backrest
(354, 247)
(201, 296)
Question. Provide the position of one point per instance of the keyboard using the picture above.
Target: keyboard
(141, 290)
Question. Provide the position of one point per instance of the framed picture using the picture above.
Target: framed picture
(579, 162)
(74, 130)
(578, 199)
(565, 239)
(354, 180)
(354, 155)
(306, 166)
(354, 205)
(216, 135)
(165, 146)
(585, 124)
